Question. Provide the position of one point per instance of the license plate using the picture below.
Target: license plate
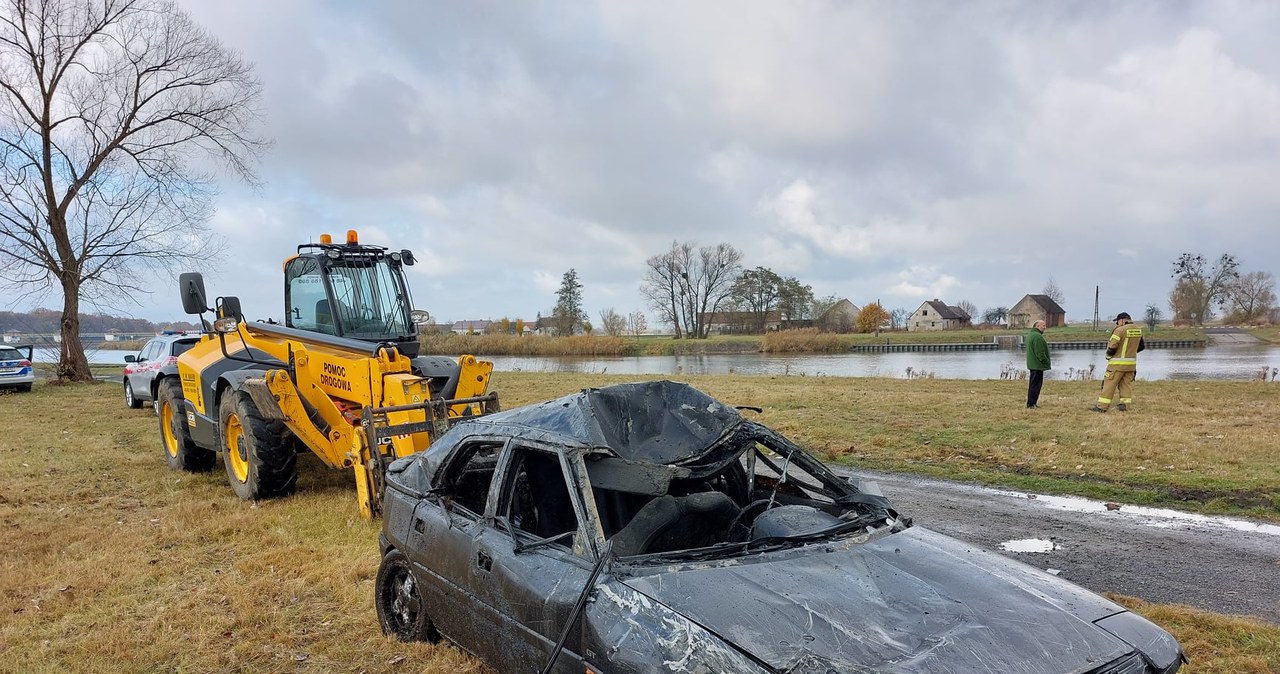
(8, 370)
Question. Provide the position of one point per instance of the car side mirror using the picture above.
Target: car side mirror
(191, 286)
(130, 358)
(406, 257)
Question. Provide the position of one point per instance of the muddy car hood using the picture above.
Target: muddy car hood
(915, 601)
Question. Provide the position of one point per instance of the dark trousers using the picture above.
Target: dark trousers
(1033, 387)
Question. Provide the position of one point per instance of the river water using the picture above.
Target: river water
(1225, 362)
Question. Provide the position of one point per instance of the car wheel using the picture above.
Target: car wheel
(131, 401)
(180, 450)
(399, 601)
(24, 388)
(260, 459)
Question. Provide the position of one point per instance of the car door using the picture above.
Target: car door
(137, 372)
(441, 543)
(532, 592)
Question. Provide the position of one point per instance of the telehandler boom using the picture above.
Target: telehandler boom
(341, 377)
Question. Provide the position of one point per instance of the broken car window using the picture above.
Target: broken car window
(470, 475)
(536, 497)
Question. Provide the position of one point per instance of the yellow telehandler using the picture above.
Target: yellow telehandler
(340, 376)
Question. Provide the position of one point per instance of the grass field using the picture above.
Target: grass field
(115, 563)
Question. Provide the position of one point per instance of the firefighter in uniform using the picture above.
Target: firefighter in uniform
(1122, 364)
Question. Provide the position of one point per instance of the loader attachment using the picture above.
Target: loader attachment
(380, 432)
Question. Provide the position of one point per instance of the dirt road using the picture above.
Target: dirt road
(1226, 565)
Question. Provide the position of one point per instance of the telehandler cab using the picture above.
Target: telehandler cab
(341, 376)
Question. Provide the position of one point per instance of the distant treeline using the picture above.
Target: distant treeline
(45, 321)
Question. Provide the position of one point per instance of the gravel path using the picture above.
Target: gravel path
(1226, 565)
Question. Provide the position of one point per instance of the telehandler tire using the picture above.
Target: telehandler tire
(399, 601)
(260, 458)
(179, 450)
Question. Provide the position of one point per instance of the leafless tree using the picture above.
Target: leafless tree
(612, 322)
(1252, 296)
(898, 318)
(637, 323)
(685, 285)
(968, 308)
(1054, 292)
(113, 114)
(663, 283)
(1200, 285)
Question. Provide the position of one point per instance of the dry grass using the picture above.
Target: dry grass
(805, 340)
(1212, 642)
(115, 563)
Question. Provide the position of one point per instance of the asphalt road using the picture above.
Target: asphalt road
(1225, 565)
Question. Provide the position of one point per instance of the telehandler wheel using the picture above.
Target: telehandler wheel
(261, 461)
(180, 451)
(399, 601)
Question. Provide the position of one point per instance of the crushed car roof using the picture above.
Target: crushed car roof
(654, 421)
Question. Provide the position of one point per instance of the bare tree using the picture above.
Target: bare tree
(685, 285)
(112, 113)
(995, 315)
(1201, 285)
(664, 283)
(1252, 296)
(898, 318)
(637, 323)
(968, 308)
(612, 322)
(1153, 316)
(1053, 292)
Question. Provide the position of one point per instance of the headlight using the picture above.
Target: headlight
(1158, 647)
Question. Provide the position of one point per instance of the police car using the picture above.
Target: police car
(15, 368)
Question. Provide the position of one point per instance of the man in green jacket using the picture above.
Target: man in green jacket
(1037, 362)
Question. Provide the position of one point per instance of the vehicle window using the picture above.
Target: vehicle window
(151, 351)
(536, 497)
(470, 475)
(8, 353)
(304, 294)
(180, 348)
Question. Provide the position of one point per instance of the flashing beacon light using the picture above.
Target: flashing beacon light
(352, 239)
(325, 238)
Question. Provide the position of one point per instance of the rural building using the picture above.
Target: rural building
(841, 317)
(470, 327)
(739, 322)
(1032, 308)
(936, 315)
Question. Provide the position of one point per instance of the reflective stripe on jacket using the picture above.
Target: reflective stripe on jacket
(1123, 348)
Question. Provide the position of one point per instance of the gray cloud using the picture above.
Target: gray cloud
(900, 150)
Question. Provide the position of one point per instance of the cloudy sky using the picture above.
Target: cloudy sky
(893, 150)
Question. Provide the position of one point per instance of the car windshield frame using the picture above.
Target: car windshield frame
(867, 512)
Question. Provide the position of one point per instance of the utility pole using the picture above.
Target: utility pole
(1096, 290)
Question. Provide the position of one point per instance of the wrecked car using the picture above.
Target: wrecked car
(648, 527)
